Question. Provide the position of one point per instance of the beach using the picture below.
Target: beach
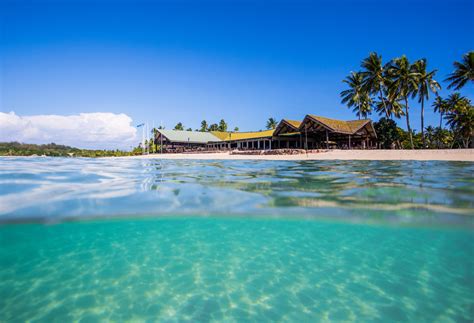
(428, 154)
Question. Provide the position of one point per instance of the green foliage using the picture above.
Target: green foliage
(426, 84)
(19, 149)
(357, 97)
(236, 129)
(387, 133)
(463, 72)
(179, 126)
(374, 80)
(214, 127)
(460, 118)
(204, 126)
(403, 84)
(222, 126)
(271, 123)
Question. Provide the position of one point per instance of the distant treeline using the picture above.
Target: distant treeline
(52, 149)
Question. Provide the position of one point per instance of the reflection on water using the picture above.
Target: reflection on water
(261, 256)
(32, 188)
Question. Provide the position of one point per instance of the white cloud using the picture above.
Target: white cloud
(86, 130)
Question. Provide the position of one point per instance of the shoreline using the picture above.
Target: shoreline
(418, 155)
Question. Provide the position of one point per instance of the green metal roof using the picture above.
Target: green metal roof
(193, 137)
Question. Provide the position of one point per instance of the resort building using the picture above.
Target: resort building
(172, 139)
(313, 132)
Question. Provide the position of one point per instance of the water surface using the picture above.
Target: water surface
(125, 239)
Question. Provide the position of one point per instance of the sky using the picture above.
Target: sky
(85, 73)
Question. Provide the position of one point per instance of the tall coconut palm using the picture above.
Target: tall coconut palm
(356, 96)
(460, 118)
(222, 125)
(463, 72)
(394, 107)
(271, 123)
(374, 78)
(426, 84)
(204, 126)
(441, 106)
(404, 83)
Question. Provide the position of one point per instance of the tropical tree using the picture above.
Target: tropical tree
(463, 72)
(441, 106)
(426, 84)
(271, 123)
(179, 126)
(374, 78)
(404, 84)
(189, 129)
(442, 137)
(356, 96)
(214, 127)
(387, 132)
(203, 126)
(460, 118)
(222, 125)
(429, 139)
(393, 106)
(236, 129)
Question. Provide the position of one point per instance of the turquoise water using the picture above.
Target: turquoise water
(150, 240)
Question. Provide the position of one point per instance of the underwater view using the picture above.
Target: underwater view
(236, 241)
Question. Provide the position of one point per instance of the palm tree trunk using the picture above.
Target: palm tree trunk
(383, 101)
(440, 124)
(408, 123)
(423, 121)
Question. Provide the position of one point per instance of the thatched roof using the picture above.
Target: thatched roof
(287, 126)
(339, 126)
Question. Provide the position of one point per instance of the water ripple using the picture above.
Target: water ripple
(396, 191)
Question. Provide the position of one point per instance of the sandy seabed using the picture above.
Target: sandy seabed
(435, 154)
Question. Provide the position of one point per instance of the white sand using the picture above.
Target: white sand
(442, 154)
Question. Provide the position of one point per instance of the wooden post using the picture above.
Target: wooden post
(327, 139)
(350, 142)
(306, 137)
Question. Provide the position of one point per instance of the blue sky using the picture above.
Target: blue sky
(243, 61)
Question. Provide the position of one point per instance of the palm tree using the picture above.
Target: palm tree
(426, 83)
(179, 126)
(356, 96)
(394, 107)
(271, 123)
(213, 127)
(374, 79)
(222, 126)
(460, 118)
(430, 131)
(454, 100)
(464, 72)
(440, 105)
(203, 126)
(404, 83)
